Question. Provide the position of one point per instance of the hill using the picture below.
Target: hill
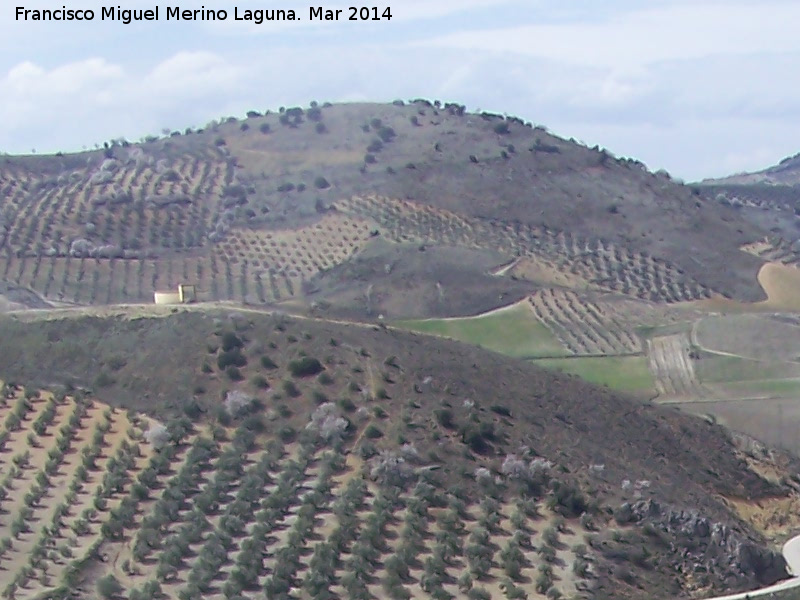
(583, 490)
(770, 199)
(330, 206)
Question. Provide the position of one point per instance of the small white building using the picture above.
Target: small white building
(185, 294)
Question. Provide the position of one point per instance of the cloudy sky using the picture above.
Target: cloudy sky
(700, 87)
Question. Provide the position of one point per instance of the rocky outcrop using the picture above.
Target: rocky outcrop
(704, 546)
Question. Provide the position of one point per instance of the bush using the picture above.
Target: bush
(501, 128)
(238, 403)
(550, 536)
(544, 582)
(268, 363)
(109, 587)
(290, 388)
(473, 438)
(373, 432)
(305, 367)
(104, 380)
(233, 357)
(326, 421)
(567, 499)
(386, 134)
(233, 373)
(321, 183)
(501, 410)
(444, 416)
(260, 382)
(346, 404)
(230, 341)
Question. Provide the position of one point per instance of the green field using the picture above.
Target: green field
(625, 373)
(723, 369)
(772, 388)
(514, 331)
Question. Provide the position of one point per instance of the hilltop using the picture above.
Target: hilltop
(770, 199)
(330, 206)
(654, 503)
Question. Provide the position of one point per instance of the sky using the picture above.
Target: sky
(701, 88)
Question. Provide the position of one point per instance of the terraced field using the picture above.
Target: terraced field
(582, 326)
(115, 206)
(672, 366)
(67, 469)
(773, 249)
(599, 263)
(186, 512)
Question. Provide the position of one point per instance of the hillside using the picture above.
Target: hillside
(632, 500)
(294, 429)
(330, 206)
(770, 199)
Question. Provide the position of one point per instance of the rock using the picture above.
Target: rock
(706, 547)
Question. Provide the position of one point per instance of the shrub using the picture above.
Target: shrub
(346, 404)
(321, 183)
(260, 382)
(290, 388)
(501, 410)
(305, 367)
(501, 128)
(478, 593)
(268, 363)
(550, 536)
(238, 403)
(230, 341)
(388, 468)
(109, 587)
(373, 432)
(233, 373)
(473, 438)
(444, 416)
(386, 134)
(567, 499)
(326, 421)
(157, 435)
(544, 581)
(233, 357)
(104, 380)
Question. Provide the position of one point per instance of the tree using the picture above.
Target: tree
(108, 587)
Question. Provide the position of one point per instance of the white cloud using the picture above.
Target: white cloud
(697, 88)
(192, 73)
(645, 36)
